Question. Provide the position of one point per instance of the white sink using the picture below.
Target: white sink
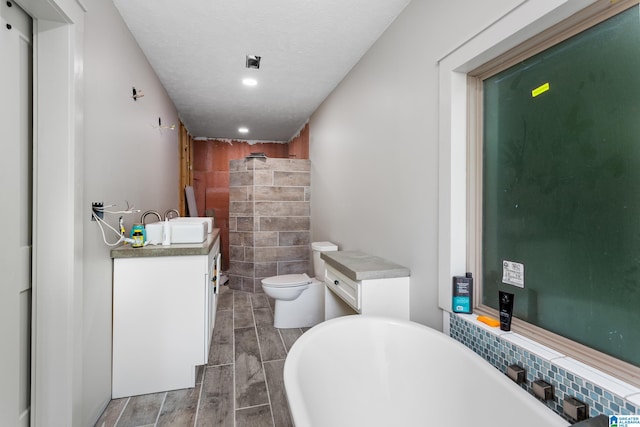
(207, 219)
(188, 232)
(181, 231)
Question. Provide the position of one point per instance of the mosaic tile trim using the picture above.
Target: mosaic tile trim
(501, 353)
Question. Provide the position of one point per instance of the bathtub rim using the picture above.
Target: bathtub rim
(297, 407)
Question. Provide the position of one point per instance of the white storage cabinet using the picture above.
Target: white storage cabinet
(383, 297)
(163, 318)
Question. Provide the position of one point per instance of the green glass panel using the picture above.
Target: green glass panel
(561, 186)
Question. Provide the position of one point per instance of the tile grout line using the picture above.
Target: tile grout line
(255, 406)
(253, 227)
(264, 373)
(284, 345)
(217, 366)
(233, 345)
(164, 399)
(204, 372)
(122, 412)
(286, 351)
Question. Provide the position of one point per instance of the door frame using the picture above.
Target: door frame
(185, 144)
(57, 264)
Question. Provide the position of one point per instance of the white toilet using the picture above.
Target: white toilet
(299, 298)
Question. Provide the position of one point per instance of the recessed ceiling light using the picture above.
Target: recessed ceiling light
(243, 130)
(249, 82)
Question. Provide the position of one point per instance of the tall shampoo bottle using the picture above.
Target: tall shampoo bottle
(463, 294)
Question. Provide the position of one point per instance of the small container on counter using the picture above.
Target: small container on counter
(139, 235)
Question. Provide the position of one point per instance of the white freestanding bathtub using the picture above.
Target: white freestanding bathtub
(374, 371)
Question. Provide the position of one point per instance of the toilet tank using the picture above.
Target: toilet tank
(318, 263)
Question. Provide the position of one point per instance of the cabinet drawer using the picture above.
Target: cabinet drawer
(345, 288)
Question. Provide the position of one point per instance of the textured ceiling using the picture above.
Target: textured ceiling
(198, 47)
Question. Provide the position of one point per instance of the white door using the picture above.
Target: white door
(15, 214)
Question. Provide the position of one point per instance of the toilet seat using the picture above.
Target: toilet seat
(286, 280)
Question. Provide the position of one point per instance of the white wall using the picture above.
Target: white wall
(125, 158)
(374, 144)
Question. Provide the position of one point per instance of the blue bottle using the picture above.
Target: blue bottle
(463, 294)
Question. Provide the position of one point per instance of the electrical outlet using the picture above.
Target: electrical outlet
(96, 207)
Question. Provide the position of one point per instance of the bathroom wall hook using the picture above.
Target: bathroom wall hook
(161, 126)
(136, 94)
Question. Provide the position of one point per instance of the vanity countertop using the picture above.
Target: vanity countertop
(181, 249)
(361, 266)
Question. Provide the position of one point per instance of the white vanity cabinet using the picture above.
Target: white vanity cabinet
(358, 283)
(164, 303)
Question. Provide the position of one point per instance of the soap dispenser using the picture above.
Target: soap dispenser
(166, 233)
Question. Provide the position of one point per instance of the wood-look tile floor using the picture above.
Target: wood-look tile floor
(241, 385)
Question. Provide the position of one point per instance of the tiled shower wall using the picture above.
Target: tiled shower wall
(269, 220)
(211, 174)
(602, 394)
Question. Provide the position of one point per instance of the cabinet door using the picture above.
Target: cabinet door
(386, 297)
(211, 284)
(214, 284)
(158, 323)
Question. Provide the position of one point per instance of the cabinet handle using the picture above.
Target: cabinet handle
(336, 282)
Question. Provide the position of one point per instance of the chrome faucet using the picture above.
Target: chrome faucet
(171, 213)
(147, 213)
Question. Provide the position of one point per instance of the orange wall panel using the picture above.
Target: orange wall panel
(200, 162)
(299, 146)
